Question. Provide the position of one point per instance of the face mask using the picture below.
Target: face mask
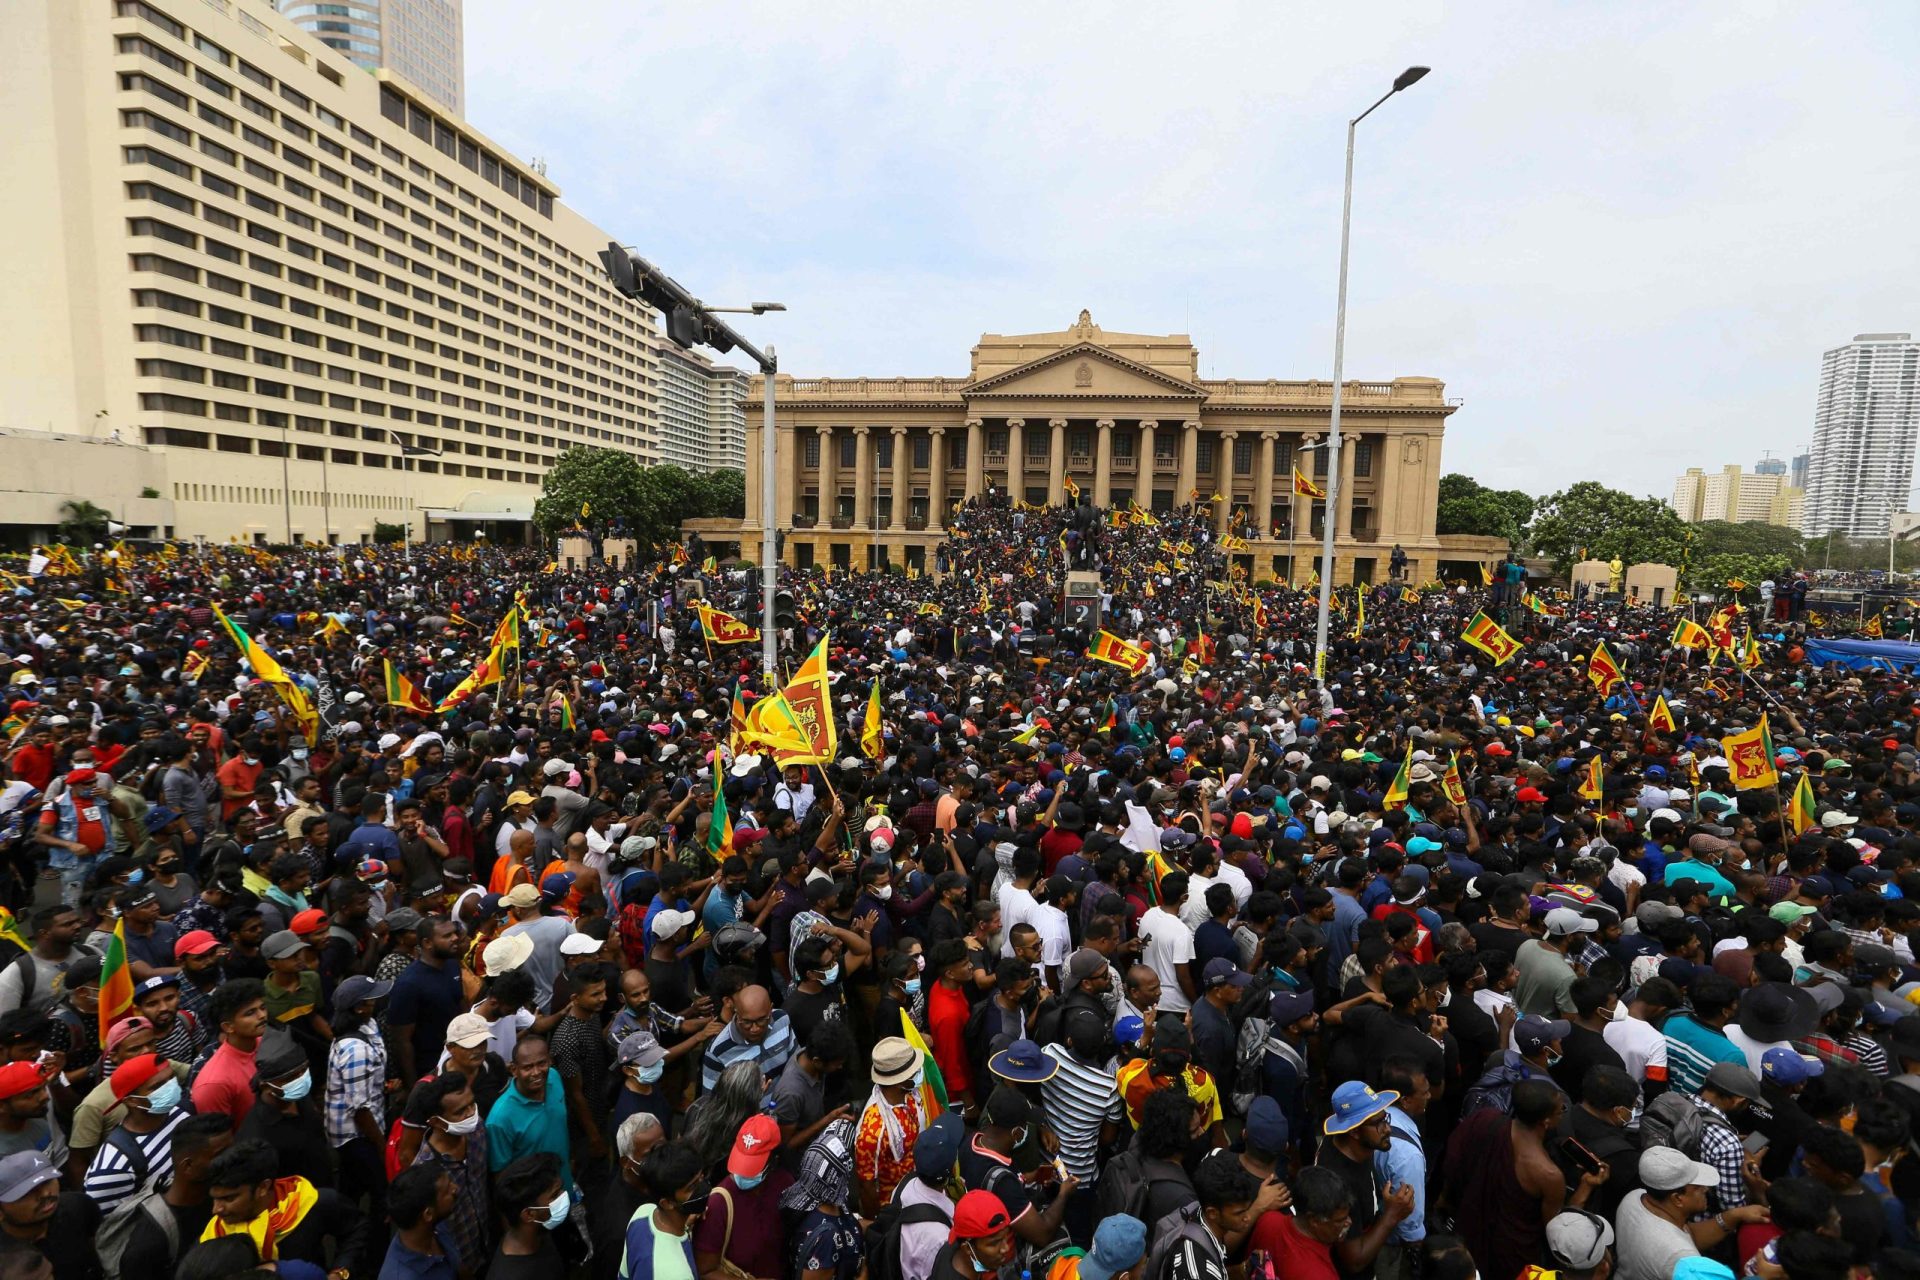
(696, 1202)
(652, 1074)
(252, 761)
(831, 976)
(557, 1211)
(884, 892)
(298, 1087)
(165, 1098)
(913, 986)
(466, 1126)
(299, 753)
(748, 1184)
(137, 875)
(979, 1268)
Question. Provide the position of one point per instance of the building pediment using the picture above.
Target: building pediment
(1088, 371)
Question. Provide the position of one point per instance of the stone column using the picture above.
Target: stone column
(1016, 459)
(754, 514)
(976, 458)
(1189, 460)
(1223, 471)
(901, 484)
(1263, 485)
(862, 478)
(1057, 463)
(829, 477)
(1145, 449)
(1388, 462)
(1300, 513)
(1343, 528)
(786, 472)
(1103, 463)
(937, 478)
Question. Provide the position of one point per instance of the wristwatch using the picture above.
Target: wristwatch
(1720, 1221)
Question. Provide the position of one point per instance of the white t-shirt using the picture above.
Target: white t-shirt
(1016, 907)
(1056, 938)
(1169, 947)
(1639, 1044)
(1754, 1049)
(1242, 886)
(1647, 1246)
(1193, 912)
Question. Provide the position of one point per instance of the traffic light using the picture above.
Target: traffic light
(784, 614)
(683, 326)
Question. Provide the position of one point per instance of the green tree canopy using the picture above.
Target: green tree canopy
(1605, 523)
(82, 523)
(606, 491)
(1469, 507)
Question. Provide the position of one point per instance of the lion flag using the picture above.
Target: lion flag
(1602, 670)
(809, 702)
(1110, 648)
(1661, 717)
(1750, 757)
(724, 628)
(1486, 635)
(1305, 487)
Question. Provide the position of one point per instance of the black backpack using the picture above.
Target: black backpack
(882, 1236)
(1127, 1182)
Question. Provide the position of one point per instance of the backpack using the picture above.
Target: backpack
(116, 1230)
(1128, 1181)
(1249, 1064)
(882, 1236)
(30, 972)
(1670, 1120)
(1494, 1088)
(1182, 1226)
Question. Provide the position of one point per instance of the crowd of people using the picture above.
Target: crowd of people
(1049, 968)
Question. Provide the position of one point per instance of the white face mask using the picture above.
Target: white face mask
(463, 1127)
(884, 892)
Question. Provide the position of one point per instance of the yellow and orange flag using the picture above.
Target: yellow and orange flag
(1661, 716)
(1602, 670)
(1305, 487)
(808, 701)
(724, 628)
(1750, 757)
(402, 693)
(1590, 783)
(1124, 654)
(1688, 634)
(1486, 635)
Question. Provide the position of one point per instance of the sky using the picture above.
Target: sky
(1621, 234)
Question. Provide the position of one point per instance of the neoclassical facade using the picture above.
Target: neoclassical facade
(869, 469)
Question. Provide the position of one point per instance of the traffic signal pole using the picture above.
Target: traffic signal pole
(769, 494)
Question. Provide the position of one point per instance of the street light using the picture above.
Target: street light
(689, 323)
(1405, 79)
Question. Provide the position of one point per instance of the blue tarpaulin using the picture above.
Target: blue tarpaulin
(1862, 655)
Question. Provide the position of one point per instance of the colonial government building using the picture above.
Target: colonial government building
(870, 469)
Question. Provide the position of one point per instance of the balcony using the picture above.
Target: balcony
(1124, 466)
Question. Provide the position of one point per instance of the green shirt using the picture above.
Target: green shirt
(286, 1007)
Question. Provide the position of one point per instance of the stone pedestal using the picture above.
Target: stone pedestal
(619, 552)
(575, 553)
(1655, 584)
(1590, 578)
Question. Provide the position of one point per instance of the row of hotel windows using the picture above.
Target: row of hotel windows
(177, 438)
(301, 497)
(265, 234)
(1079, 448)
(177, 64)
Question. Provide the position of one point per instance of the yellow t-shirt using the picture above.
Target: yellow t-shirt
(1137, 1084)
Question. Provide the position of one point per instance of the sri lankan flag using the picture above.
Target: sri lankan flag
(1451, 783)
(489, 670)
(1486, 575)
(1409, 596)
(724, 628)
(1073, 490)
(808, 702)
(1203, 650)
(933, 1085)
(566, 713)
(720, 826)
(1802, 813)
(1688, 634)
(507, 634)
(1873, 628)
(773, 725)
(1750, 757)
(1305, 487)
(1661, 717)
(1486, 635)
(262, 662)
(872, 736)
(1110, 648)
(10, 931)
(1602, 671)
(1590, 783)
(192, 665)
(401, 691)
(1359, 613)
(1402, 784)
(1259, 614)
(116, 980)
(1749, 656)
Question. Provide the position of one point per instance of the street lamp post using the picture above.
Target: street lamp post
(1405, 80)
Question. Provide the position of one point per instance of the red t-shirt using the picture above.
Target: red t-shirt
(237, 775)
(1057, 844)
(33, 765)
(225, 1084)
(1290, 1252)
(947, 1013)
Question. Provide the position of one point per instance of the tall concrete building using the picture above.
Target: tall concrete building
(1770, 466)
(1797, 470)
(1755, 497)
(871, 468)
(419, 40)
(703, 422)
(311, 299)
(1864, 429)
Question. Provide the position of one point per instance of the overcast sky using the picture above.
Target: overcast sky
(1623, 235)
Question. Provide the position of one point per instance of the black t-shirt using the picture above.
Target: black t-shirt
(1492, 937)
(299, 1139)
(984, 1172)
(807, 1010)
(1581, 1051)
(68, 1244)
(542, 1264)
(148, 1254)
(1363, 1187)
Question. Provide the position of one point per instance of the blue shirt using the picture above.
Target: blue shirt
(1341, 931)
(404, 1264)
(1717, 885)
(1405, 1163)
(518, 1126)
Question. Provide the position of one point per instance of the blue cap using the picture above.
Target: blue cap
(1119, 1242)
(1267, 1129)
(1355, 1103)
(1288, 1007)
(938, 1145)
(1785, 1066)
(556, 886)
(1420, 844)
(1129, 1029)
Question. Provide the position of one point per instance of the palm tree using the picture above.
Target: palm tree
(83, 523)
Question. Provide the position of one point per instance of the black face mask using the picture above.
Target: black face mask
(696, 1202)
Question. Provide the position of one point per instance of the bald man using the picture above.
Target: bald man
(756, 1032)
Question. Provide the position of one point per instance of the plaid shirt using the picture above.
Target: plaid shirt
(1720, 1146)
(1827, 1049)
(1590, 955)
(356, 1081)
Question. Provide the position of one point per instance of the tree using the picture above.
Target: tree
(1591, 520)
(1467, 506)
(82, 523)
(595, 487)
(385, 533)
(724, 495)
(1721, 537)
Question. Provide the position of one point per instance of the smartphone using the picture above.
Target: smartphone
(1756, 1143)
(1578, 1156)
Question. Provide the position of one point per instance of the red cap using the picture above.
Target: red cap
(132, 1075)
(309, 920)
(1243, 825)
(978, 1215)
(753, 1148)
(1497, 749)
(197, 943)
(17, 1078)
(1530, 795)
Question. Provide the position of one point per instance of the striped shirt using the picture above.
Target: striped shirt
(1078, 1099)
(114, 1174)
(1693, 1049)
(772, 1053)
